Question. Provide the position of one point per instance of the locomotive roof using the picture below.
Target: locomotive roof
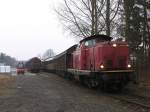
(102, 37)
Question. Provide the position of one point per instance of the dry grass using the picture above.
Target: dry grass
(5, 81)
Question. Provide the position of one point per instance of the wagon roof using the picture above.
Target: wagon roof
(69, 50)
(103, 37)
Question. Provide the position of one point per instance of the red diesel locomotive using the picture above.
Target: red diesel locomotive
(20, 69)
(95, 61)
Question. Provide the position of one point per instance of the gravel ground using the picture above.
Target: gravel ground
(50, 93)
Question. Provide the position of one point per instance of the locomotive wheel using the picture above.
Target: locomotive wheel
(119, 87)
(104, 86)
(85, 80)
(81, 78)
(91, 83)
(101, 86)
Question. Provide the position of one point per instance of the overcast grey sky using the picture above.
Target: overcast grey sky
(30, 27)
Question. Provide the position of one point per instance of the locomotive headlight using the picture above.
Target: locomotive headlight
(129, 66)
(102, 66)
(114, 45)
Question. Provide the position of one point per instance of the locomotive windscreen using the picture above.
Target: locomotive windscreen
(20, 65)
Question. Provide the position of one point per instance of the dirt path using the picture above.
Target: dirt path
(50, 93)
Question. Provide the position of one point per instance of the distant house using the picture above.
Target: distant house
(4, 68)
(2, 64)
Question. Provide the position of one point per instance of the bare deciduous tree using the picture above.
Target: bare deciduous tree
(88, 17)
(48, 54)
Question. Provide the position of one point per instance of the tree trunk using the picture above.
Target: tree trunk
(127, 19)
(92, 14)
(94, 17)
(144, 32)
(108, 18)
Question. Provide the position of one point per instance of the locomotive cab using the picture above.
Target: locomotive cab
(84, 56)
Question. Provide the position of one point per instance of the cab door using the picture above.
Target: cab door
(89, 54)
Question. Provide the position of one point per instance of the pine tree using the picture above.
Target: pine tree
(137, 28)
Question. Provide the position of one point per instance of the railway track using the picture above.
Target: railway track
(138, 100)
(130, 98)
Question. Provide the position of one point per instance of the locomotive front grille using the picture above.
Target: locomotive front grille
(122, 62)
(109, 64)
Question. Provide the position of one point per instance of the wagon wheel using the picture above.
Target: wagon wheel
(86, 81)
